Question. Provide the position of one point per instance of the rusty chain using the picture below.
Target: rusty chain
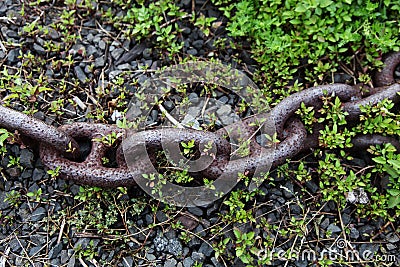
(59, 146)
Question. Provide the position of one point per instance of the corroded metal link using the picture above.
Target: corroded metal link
(293, 136)
(38, 131)
(288, 106)
(353, 108)
(385, 77)
(91, 170)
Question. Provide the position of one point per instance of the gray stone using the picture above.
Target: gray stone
(224, 110)
(15, 246)
(24, 213)
(99, 62)
(13, 172)
(160, 243)
(392, 238)
(390, 246)
(13, 54)
(80, 74)
(215, 262)
(333, 228)
(12, 34)
(71, 262)
(148, 63)
(346, 218)
(169, 105)
(49, 73)
(192, 52)
(55, 251)
(39, 49)
(199, 257)
(312, 186)
(206, 249)
(117, 53)
(26, 158)
(170, 263)
(271, 218)
(34, 250)
(38, 174)
(188, 262)
(53, 33)
(301, 263)
(147, 53)
(37, 240)
(295, 209)
(324, 224)
(288, 190)
(161, 217)
(3, 204)
(175, 247)
(53, 262)
(127, 261)
(125, 66)
(224, 99)
(195, 211)
(198, 44)
(91, 50)
(366, 231)
(77, 49)
(194, 242)
(150, 257)
(38, 214)
(367, 251)
(64, 256)
(186, 30)
(114, 74)
(102, 45)
(354, 233)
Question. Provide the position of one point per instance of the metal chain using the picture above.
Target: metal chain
(59, 148)
(38, 131)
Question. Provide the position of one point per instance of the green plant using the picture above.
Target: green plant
(311, 35)
(4, 135)
(389, 162)
(54, 173)
(109, 139)
(379, 119)
(188, 147)
(13, 198)
(35, 195)
(245, 245)
(86, 252)
(14, 162)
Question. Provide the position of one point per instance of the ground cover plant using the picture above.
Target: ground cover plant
(67, 61)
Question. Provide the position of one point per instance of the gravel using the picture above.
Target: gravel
(155, 234)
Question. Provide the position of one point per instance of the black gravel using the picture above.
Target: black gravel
(42, 232)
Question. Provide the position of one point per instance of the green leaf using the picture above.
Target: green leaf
(237, 233)
(239, 253)
(300, 8)
(395, 163)
(393, 201)
(380, 160)
(295, 21)
(394, 192)
(325, 3)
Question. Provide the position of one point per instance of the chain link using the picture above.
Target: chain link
(59, 148)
